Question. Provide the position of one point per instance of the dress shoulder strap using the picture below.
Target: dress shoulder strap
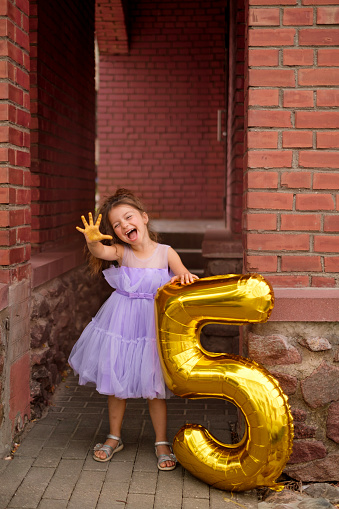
(162, 256)
(158, 259)
(126, 257)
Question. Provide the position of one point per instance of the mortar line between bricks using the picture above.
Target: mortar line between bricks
(60, 460)
(42, 494)
(79, 422)
(15, 491)
(155, 492)
(101, 490)
(27, 473)
(96, 433)
(55, 469)
(104, 480)
(182, 489)
(135, 458)
(76, 482)
(156, 486)
(130, 480)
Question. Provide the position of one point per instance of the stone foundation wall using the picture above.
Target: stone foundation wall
(220, 338)
(304, 357)
(221, 266)
(60, 311)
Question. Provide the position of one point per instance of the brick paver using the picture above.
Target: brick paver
(53, 468)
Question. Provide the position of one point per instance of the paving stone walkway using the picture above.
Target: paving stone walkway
(53, 467)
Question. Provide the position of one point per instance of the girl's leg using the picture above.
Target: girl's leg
(116, 410)
(158, 412)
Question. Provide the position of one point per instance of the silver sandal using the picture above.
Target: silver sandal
(107, 449)
(165, 457)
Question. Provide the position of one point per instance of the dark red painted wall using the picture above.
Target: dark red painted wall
(157, 109)
(235, 121)
(63, 117)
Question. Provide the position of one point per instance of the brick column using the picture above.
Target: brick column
(291, 214)
(291, 175)
(14, 212)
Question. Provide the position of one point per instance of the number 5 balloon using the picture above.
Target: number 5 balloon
(191, 372)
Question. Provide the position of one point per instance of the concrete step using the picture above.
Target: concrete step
(192, 258)
(188, 247)
(182, 240)
(186, 237)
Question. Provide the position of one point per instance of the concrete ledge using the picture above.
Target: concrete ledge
(57, 261)
(291, 304)
(306, 305)
(186, 226)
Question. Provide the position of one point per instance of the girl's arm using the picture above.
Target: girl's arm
(93, 238)
(182, 274)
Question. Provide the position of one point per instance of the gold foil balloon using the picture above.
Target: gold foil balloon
(191, 372)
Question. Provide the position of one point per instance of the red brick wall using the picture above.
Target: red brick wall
(111, 26)
(14, 214)
(235, 123)
(291, 168)
(14, 141)
(63, 117)
(157, 109)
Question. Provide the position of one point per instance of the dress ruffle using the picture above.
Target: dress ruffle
(117, 351)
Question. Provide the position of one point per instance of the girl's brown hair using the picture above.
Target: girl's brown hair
(120, 197)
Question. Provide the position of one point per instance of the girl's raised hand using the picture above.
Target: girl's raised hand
(184, 279)
(91, 231)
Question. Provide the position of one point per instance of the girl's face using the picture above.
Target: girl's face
(129, 224)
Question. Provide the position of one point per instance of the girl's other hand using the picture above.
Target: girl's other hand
(91, 231)
(184, 279)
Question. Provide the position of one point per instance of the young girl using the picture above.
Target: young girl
(117, 350)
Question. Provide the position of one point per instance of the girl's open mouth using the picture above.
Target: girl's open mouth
(132, 234)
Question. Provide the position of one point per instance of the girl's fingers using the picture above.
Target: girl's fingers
(80, 229)
(109, 237)
(84, 221)
(91, 224)
(98, 220)
(185, 279)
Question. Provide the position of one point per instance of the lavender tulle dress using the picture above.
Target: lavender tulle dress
(117, 351)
